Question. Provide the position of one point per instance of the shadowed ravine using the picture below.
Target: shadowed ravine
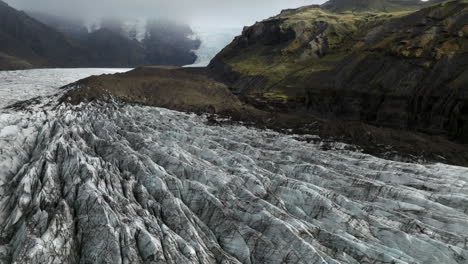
(112, 183)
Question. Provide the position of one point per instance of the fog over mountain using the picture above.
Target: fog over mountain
(214, 22)
(221, 13)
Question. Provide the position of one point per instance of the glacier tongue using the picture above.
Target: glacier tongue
(109, 183)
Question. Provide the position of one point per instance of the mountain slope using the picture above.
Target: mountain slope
(375, 5)
(8, 62)
(129, 42)
(404, 70)
(27, 43)
(110, 49)
(27, 39)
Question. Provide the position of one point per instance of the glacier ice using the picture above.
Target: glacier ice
(213, 40)
(116, 183)
(22, 85)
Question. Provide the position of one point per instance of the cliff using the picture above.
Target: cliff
(404, 69)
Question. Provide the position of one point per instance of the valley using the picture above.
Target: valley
(332, 133)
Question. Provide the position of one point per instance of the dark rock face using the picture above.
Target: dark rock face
(108, 49)
(167, 44)
(267, 33)
(404, 96)
(416, 81)
(406, 72)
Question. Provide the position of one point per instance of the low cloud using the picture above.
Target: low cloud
(196, 12)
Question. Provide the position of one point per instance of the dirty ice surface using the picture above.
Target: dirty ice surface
(113, 183)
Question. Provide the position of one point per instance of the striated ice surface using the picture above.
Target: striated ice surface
(110, 183)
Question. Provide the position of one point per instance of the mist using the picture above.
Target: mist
(206, 13)
(214, 23)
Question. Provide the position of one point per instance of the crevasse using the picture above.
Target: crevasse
(115, 183)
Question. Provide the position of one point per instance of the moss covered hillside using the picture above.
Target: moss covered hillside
(407, 68)
(377, 5)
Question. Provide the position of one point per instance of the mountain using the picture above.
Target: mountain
(375, 5)
(132, 42)
(72, 28)
(405, 70)
(25, 42)
(166, 42)
(52, 41)
(109, 49)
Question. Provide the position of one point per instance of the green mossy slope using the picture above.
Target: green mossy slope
(405, 69)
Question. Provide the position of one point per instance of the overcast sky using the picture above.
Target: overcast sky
(230, 13)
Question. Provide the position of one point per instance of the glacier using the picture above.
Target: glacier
(23, 85)
(117, 183)
(213, 40)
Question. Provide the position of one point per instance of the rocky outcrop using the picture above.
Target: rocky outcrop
(400, 70)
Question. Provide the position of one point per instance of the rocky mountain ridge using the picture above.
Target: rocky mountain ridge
(404, 70)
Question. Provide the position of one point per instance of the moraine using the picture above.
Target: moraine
(113, 183)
